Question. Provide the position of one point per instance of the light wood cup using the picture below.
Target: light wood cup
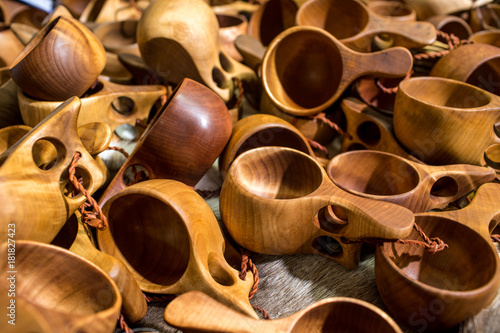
(169, 247)
(278, 200)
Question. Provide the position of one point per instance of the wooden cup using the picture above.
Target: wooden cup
(491, 37)
(335, 314)
(230, 27)
(37, 196)
(418, 187)
(277, 200)
(444, 121)
(438, 291)
(182, 141)
(169, 247)
(476, 64)
(261, 130)
(70, 293)
(451, 24)
(305, 69)
(355, 25)
(118, 36)
(180, 38)
(61, 61)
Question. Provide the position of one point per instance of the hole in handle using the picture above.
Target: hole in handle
(123, 105)
(135, 173)
(218, 272)
(332, 219)
(47, 153)
(328, 246)
(445, 187)
(369, 133)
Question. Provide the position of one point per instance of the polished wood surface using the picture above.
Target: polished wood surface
(11, 134)
(355, 25)
(70, 293)
(77, 238)
(476, 64)
(11, 47)
(260, 130)
(230, 27)
(118, 36)
(418, 187)
(444, 121)
(277, 200)
(369, 129)
(339, 314)
(459, 281)
(110, 103)
(183, 140)
(451, 24)
(491, 37)
(9, 107)
(169, 247)
(272, 18)
(43, 181)
(47, 71)
(251, 49)
(305, 69)
(177, 44)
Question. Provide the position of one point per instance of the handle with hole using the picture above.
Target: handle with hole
(482, 214)
(251, 49)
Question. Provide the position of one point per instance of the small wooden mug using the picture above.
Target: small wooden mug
(63, 60)
(169, 247)
(305, 69)
(45, 153)
(355, 25)
(476, 64)
(278, 200)
(182, 141)
(451, 24)
(70, 293)
(260, 130)
(418, 187)
(177, 44)
(335, 314)
(110, 103)
(444, 121)
(491, 37)
(450, 285)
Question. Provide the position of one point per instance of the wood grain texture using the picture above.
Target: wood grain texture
(169, 247)
(355, 25)
(444, 121)
(70, 70)
(183, 140)
(453, 284)
(272, 18)
(9, 107)
(340, 314)
(180, 38)
(17, 12)
(260, 130)
(11, 134)
(476, 64)
(277, 200)
(36, 197)
(78, 238)
(11, 47)
(305, 69)
(491, 37)
(70, 293)
(113, 104)
(418, 187)
(369, 129)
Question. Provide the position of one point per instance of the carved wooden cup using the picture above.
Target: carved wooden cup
(305, 69)
(418, 187)
(70, 293)
(278, 200)
(438, 291)
(444, 121)
(169, 247)
(61, 61)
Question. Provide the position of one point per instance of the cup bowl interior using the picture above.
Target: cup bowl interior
(373, 173)
(117, 34)
(490, 37)
(151, 236)
(393, 10)
(444, 92)
(469, 263)
(58, 280)
(303, 70)
(277, 173)
(343, 316)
